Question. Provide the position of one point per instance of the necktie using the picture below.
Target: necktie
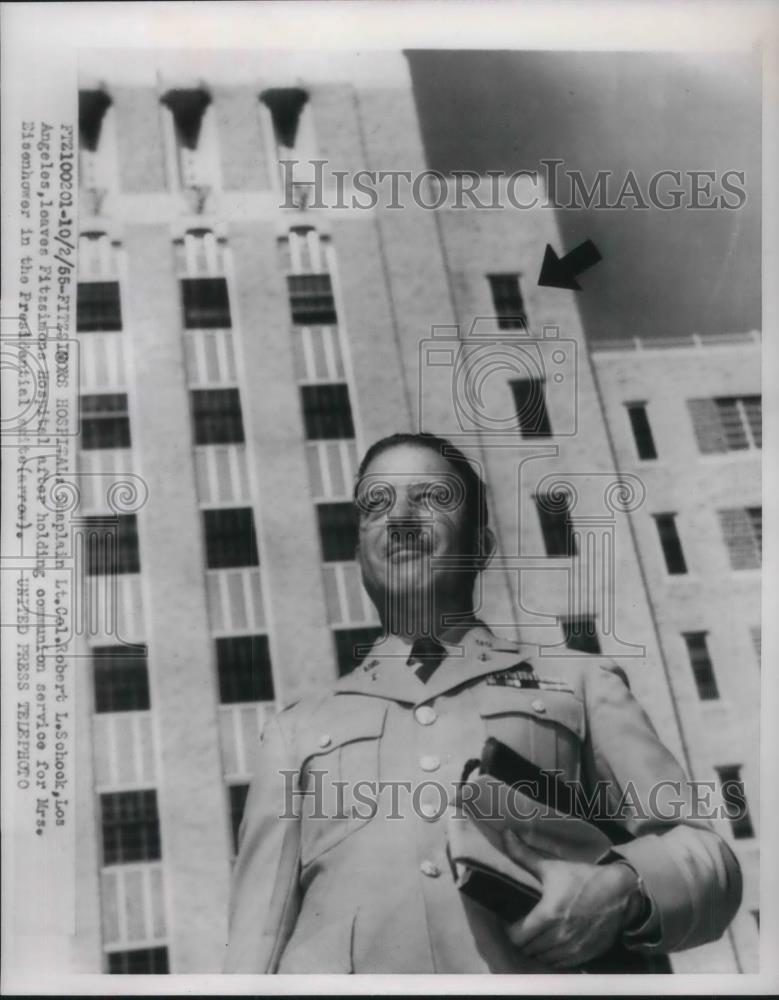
(426, 654)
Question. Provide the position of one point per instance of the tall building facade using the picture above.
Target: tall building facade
(686, 416)
(241, 344)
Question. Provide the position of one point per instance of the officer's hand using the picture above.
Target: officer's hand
(582, 911)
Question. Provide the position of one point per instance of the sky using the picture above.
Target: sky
(663, 273)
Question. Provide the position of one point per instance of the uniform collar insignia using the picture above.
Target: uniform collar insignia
(476, 654)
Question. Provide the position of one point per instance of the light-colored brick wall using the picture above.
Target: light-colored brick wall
(139, 140)
(244, 160)
(304, 660)
(181, 656)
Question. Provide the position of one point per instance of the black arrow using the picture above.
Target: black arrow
(560, 272)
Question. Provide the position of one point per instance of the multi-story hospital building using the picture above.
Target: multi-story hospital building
(241, 346)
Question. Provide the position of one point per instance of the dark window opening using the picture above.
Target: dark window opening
(731, 423)
(217, 416)
(642, 431)
(702, 669)
(98, 307)
(753, 411)
(131, 827)
(230, 537)
(580, 634)
(121, 679)
(311, 299)
(244, 669)
(351, 646)
(111, 545)
(755, 515)
(727, 423)
(285, 105)
(327, 412)
(530, 404)
(188, 108)
(138, 961)
(92, 106)
(556, 524)
(735, 800)
(507, 301)
(670, 543)
(206, 303)
(742, 529)
(105, 422)
(238, 795)
(337, 531)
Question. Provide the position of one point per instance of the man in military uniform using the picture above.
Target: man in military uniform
(329, 881)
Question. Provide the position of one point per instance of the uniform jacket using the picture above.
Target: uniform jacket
(361, 892)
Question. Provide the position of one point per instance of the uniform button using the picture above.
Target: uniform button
(430, 869)
(429, 763)
(538, 705)
(425, 715)
(325, 741)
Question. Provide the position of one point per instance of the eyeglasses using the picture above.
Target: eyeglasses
(376, 496)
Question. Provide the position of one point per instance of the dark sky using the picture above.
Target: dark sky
(663, 273)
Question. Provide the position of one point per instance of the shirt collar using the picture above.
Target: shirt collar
(473, 652)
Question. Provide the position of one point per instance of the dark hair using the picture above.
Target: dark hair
(475, 502)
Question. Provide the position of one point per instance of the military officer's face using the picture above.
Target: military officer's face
(411, 508)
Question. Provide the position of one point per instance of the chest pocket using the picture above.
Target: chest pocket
(339, 771)
(546, 727)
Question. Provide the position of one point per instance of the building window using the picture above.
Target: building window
(556, 525)
(217, 416)
(244, 669)
(580, 634)
(742, 529)
(304, 250)
(700, 661)
(311, 299)
(642, 431)
(105, 422)
(191, 111)
(92, 106)
(112, 545)
(98, 307)
(93, 115)
(286, 106)
(206, 303)
(337, 531)
(670, 543)
(735, 800)
(230, 537)
(121, 679)
(349, 646)
(238, 795)
(507, 301)
(530, 404)
(327, 412)
(138, 961)
(131, 827)
(727, 423)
